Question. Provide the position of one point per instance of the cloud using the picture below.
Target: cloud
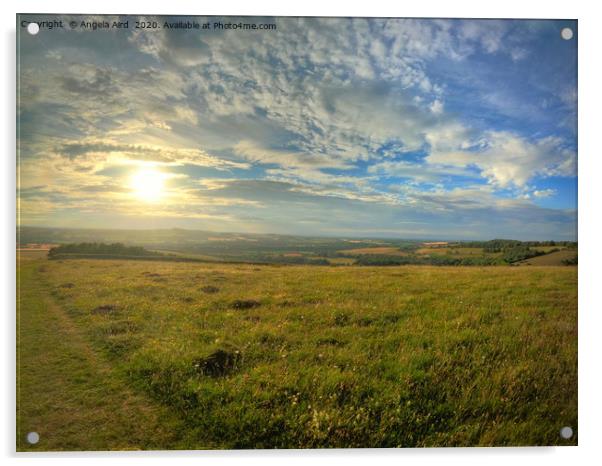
(488, 34)
(382, 121)
(518, 54)
(542, 193)
(91, 83)
(253, 152)
(460, 213)
(419, 172)
(436, 107)
(173, 47)
(114, 152)
(506, 159)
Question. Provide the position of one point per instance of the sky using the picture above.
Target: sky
(365, 127)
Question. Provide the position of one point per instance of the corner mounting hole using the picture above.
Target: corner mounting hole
(33, 28)
(33, 438)
(566, 432)
(566, 33)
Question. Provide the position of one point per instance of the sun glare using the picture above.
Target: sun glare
(148, 184)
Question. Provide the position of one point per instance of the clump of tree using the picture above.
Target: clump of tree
(99, 249)
(519, 253)
(504, 245)
(571, 261)
(500, 245)
(565, 244)
(376, 259)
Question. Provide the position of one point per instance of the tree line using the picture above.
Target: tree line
(100, 249)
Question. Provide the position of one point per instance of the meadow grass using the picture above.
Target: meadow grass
(247, 356)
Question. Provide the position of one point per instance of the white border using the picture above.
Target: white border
(590, 154)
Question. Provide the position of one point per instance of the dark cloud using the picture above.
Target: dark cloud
(101, 85)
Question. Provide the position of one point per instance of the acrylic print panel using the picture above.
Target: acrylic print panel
(265, 232)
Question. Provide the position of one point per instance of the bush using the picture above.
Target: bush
(520, 253)
(572, 261)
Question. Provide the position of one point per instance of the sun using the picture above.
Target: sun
(148, 184)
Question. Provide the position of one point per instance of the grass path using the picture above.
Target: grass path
(69, 394)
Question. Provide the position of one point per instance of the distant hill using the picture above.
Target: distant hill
(179, 244)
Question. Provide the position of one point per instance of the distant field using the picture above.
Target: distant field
(139, 354)
(459, 251)
(341, 260)
(389, 251)
(553, 258)
(31, 254)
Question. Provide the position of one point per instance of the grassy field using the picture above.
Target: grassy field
(391, 251)
(118, 354)
(553, 258)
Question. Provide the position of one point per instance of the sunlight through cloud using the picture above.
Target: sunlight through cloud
(148, 184)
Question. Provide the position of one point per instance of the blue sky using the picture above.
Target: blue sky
(452, 129)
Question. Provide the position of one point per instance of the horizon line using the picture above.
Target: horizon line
(293, 235)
